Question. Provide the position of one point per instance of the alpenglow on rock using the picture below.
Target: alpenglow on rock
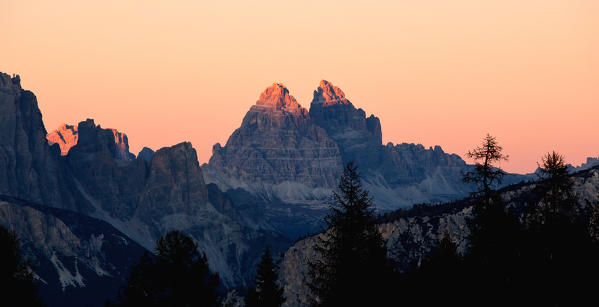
(277, 143)
(357, 135)
(284, 152)
(65, 136)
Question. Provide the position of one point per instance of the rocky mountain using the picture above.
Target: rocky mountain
(266, 187)
(590, 162)
(77, 260)
(277, 147)
(29, 167)
(412, 233)
(142, 197)
(282, 151)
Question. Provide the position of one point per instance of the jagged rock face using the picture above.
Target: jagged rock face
(277, 142)
(345, 124)
(79, 261)
(143, 198)
(174, 183)
(93, 139)
(146, 154)
(282, 152)
(360, 140)
(105, 170)
(29, 167)
(410, 235)
(65, 136)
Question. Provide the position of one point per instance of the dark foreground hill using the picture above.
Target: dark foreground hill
(77, 260)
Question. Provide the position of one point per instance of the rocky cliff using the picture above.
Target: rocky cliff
(29, 167)
(91, 171)
(277, 145)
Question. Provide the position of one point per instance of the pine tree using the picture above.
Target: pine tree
(177, 275)
(352, 265)
(563, 248)
(267, 293)
(559, 200)
(18, 285)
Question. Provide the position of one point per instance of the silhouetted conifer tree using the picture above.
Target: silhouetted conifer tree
(352, 266)
(177, 275)
(493, 258)
(558, 200)
(486, 173)
(560, 247)
(18, 286)
(267, 293)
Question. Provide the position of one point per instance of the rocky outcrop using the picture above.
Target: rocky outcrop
(105, 170)
(65, 136)
(78, 260)
(398, 175)
(277, 143)
(146, 154)
(174, 184)
(356, 134)
(29, 167)
(93, 138)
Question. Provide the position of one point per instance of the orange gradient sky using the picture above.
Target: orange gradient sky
(435, 71)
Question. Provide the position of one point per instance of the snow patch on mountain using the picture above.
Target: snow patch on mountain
(65, 277)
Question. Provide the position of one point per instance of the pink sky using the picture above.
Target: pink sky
(435, 72)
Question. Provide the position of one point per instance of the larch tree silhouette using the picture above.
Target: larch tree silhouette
(495, 237)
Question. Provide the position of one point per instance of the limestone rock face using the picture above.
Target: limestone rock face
(29, 167)
(284, 152)
(94, 138)
(105, 170)
(143, 198)
(359, 137)
(146, 154)
(276, 143)
(65, 136)
(174, 183)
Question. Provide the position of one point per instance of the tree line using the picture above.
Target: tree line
(545, 254)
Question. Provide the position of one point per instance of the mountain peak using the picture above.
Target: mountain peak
(65, 136)
(10, 83)
(327, 94)
(277, 97)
